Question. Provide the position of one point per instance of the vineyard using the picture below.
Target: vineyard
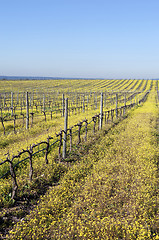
(79, 159)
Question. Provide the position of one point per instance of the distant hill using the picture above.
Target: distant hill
(52, 78)
(40, 78)
(26, 78)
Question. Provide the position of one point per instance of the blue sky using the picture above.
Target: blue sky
(80, 38)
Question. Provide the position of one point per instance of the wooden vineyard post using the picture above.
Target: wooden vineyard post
(43, 102)
(101, 112)
(94, 126)
(83, 103)
(27, 111)
(12, 103)
(79, 131)
(21, 104)
(65, 129)
(116, 109)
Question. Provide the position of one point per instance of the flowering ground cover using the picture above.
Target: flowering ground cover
(111, 192)
(13, 142)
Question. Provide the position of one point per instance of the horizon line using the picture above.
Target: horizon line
(11, 77)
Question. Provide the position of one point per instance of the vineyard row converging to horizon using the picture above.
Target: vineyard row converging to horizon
(61, 139)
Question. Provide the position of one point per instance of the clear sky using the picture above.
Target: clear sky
(80, 38)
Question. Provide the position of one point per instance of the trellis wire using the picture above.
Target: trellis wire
(47, 148)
